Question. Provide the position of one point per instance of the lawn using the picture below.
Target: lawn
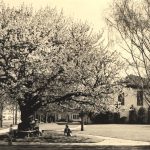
(123, 131)
(54, 133)
(51, 136)
(129, 132)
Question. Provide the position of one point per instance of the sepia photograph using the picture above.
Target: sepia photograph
(75, 74)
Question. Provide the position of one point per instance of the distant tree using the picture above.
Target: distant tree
(47, 58)
(4, 101)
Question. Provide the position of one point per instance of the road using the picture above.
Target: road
(58, 147)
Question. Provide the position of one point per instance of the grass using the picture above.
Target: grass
(54, 133)
(128, 132)
(53, 137)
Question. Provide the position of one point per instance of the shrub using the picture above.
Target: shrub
(141, 115)
(123, 120)
(107, 117)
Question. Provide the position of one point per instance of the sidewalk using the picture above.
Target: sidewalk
(116, 141)
(105, 141)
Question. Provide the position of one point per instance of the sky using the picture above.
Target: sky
(92, 11)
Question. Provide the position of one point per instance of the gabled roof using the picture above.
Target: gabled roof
(133, 81)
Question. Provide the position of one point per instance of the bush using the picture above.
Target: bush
(123, 120)
(132, 116)
(100, 118)
(107, 117)
(141, 115)
(116, 117)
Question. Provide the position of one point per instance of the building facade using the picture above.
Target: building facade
(132, 98)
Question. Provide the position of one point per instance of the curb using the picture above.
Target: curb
(71, 144)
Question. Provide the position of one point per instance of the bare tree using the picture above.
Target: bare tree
(131, 20)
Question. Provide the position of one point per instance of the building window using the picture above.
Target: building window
(121, 98)
(139, 98)
(75, 116)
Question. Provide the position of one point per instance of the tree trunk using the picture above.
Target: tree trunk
(67, 117)
(82, 123)
(13, 116)
(46, 117)
(28, 106)
(40, 118)
(35, 115)
(16, 114)
(148, 115)
(1, 115)
(27, 118)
